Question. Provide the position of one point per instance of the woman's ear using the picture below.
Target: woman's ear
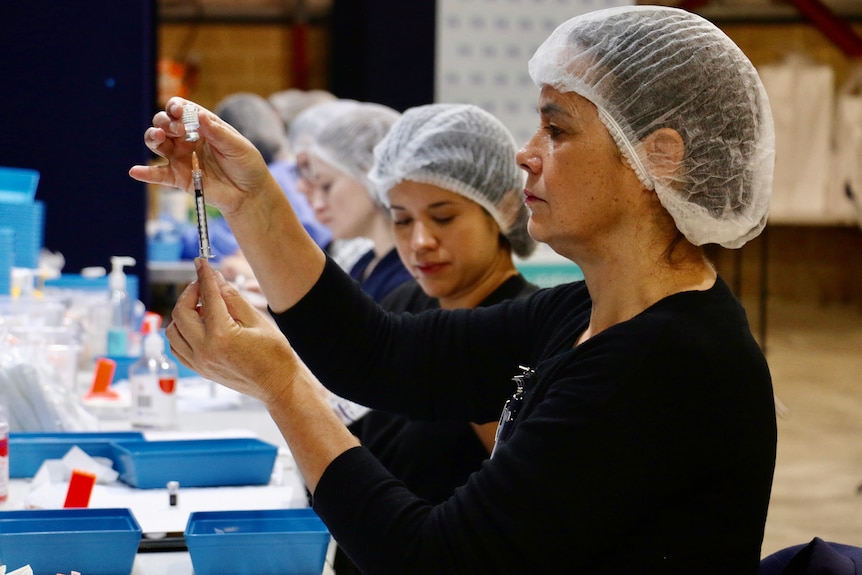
(665, 150)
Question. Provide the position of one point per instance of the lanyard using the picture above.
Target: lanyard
(512, 407)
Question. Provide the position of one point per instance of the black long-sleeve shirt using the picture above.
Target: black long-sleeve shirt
(649, 448)
(431, 457)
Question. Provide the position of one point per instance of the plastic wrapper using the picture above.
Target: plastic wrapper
(37, 391)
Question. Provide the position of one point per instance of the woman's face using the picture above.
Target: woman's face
(579, 188)
(340, 202)
(450, 244)
(304, 179)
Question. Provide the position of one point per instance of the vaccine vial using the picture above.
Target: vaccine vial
(173, 492)
(191, 123)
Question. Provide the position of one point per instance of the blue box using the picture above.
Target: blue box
(51, 541)
(18, 185)
(27, 451)
(195, 462)
(27, 220)
(160, 250)
(261, 542)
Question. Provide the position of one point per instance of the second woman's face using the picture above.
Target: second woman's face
(450, 244)
(340, 202)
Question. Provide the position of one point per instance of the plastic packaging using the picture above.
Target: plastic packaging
(153, 381)
(121, 307)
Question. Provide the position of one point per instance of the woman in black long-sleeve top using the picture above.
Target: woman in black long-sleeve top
(640, 437)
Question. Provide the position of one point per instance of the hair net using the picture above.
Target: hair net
(290, 103)
(256, 119)
(347, 141)
(307, 124)
(650, 67)
(461, 148)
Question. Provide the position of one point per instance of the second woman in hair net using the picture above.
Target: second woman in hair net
(638, 430)
(448, 175)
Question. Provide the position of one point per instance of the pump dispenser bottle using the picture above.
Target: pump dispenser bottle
(121, 307)
(153, 381)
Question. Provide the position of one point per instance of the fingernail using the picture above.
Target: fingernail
(198, 264)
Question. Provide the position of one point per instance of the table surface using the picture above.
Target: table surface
(220, 415)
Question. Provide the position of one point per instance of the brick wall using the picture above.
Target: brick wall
(223, 58)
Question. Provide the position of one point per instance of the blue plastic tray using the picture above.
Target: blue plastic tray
(263, 542)
(195, 462)
(51, 541)
(27, 451)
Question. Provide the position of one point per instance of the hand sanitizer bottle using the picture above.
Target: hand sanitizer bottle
(121, 307)
(153, 382)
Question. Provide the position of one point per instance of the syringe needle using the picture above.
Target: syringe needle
(200, 209)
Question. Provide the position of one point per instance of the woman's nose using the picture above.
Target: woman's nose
(422, 238)
(316, 199)
(527, 158)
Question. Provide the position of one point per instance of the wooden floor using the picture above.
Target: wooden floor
(815, 354)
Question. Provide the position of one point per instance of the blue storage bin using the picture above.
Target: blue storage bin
(51, 541)
(261, 542)
(164, 250)
(27, 451)
(194, 462)
(18, 185)
(27, 220)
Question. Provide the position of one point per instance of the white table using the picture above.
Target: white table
(201, 415)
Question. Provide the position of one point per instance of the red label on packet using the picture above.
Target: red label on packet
(4, 447)
(168, 384)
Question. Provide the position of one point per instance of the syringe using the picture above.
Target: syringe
(200, 208)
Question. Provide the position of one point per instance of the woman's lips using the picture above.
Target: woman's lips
(430, 269)
(530, 198)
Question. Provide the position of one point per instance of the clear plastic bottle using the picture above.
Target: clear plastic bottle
(121, 307)
(153, 382)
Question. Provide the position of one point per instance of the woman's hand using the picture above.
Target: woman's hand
(285, 260)
(233, 169)
(225, 339)
(215, 332)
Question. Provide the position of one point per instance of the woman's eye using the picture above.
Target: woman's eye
(444, 220)
(401, 221)
(552, 131)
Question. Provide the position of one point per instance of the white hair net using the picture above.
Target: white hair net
(290, 103)
(256, 119)
(651, 67)
(347, 141)
(461, 148)
(307, 124)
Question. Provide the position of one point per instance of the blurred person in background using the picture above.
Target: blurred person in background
(340, 157)
(301, 134)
